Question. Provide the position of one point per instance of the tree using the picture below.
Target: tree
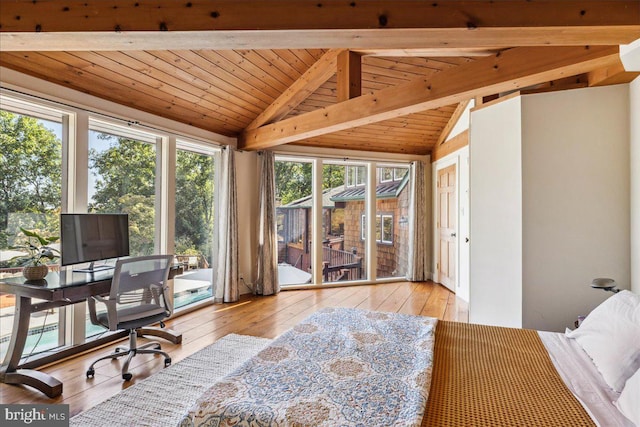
(293, 179)
(30, 176)
(125, 183)
(125, 167)
(194, 203)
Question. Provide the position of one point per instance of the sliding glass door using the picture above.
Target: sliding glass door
(360, 211)
(344, 190)
(294, 211)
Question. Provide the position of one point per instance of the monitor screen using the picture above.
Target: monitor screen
(93, 237)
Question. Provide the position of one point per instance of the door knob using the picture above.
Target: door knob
(453, 234)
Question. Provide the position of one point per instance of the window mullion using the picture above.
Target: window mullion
(370, 209)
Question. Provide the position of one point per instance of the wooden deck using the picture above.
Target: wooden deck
(252, 315)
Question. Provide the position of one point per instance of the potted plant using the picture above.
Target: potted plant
(37, 254)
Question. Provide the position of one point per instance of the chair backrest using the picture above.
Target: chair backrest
(142, 280)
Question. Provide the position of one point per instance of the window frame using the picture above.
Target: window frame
(77, 120)
(380, 217)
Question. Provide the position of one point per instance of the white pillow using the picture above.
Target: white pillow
(629, 400)
(610, 335)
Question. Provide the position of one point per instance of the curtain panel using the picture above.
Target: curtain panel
(418, 268)
(267, 275)
(226, 284)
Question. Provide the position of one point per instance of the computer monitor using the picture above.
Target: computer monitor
(93, 237)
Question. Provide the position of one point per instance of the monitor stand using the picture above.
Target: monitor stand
(94, 268)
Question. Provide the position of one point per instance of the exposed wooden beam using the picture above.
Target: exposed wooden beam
(305, 85)
(454, 144)
(349, 76)
(508, 70)
(612, 75)
(567, 83)
(231, 24)
(426, 53)
(452, 121)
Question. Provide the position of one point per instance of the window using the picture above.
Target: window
(393, 202)
(387, 229)
(399, 173)
(194, 222)
(384, 228)
(41, 176)
(386, 174)
(343, 251)
(30, 197)
(122, 176)
(295, 213)
(356, 176)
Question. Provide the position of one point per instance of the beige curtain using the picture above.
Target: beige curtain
(226, 283)
(418, 268)
(267, 282)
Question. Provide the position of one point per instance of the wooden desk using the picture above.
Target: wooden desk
(57, 289)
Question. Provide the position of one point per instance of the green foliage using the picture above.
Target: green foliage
(30, 176)
(125, 167)
(125, 182)
(293, 179)
(38, 251)
(194, 203)
(124, 170)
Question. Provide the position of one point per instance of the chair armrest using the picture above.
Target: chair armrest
(91, 302)
(111, 311)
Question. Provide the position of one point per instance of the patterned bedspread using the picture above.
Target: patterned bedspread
(339, 367)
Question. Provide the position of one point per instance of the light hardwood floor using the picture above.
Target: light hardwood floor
(253, 315)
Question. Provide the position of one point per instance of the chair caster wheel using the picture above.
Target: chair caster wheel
(127, 376)
(167, 362)
(90, 373)
(158, 347)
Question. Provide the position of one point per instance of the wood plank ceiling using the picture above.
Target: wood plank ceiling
(225, 90)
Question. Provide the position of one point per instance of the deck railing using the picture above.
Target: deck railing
(338, 265)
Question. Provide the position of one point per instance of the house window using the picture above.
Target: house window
(356, 176)
(399, 173)
(386, 174)
(384, 228)
(387, 228)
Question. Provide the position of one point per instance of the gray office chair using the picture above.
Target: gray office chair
(138, 298)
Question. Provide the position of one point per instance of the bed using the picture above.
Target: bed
(370, 368)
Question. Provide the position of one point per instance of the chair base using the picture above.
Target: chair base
(130, 352)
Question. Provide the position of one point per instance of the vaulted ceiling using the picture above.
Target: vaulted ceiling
(367, 75)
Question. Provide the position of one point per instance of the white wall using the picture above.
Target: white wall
(634, 117)
(464, 231)
(496, 215)
(575, 204)
(463, 122)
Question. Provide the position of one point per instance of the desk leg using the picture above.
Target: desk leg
(9, 372)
